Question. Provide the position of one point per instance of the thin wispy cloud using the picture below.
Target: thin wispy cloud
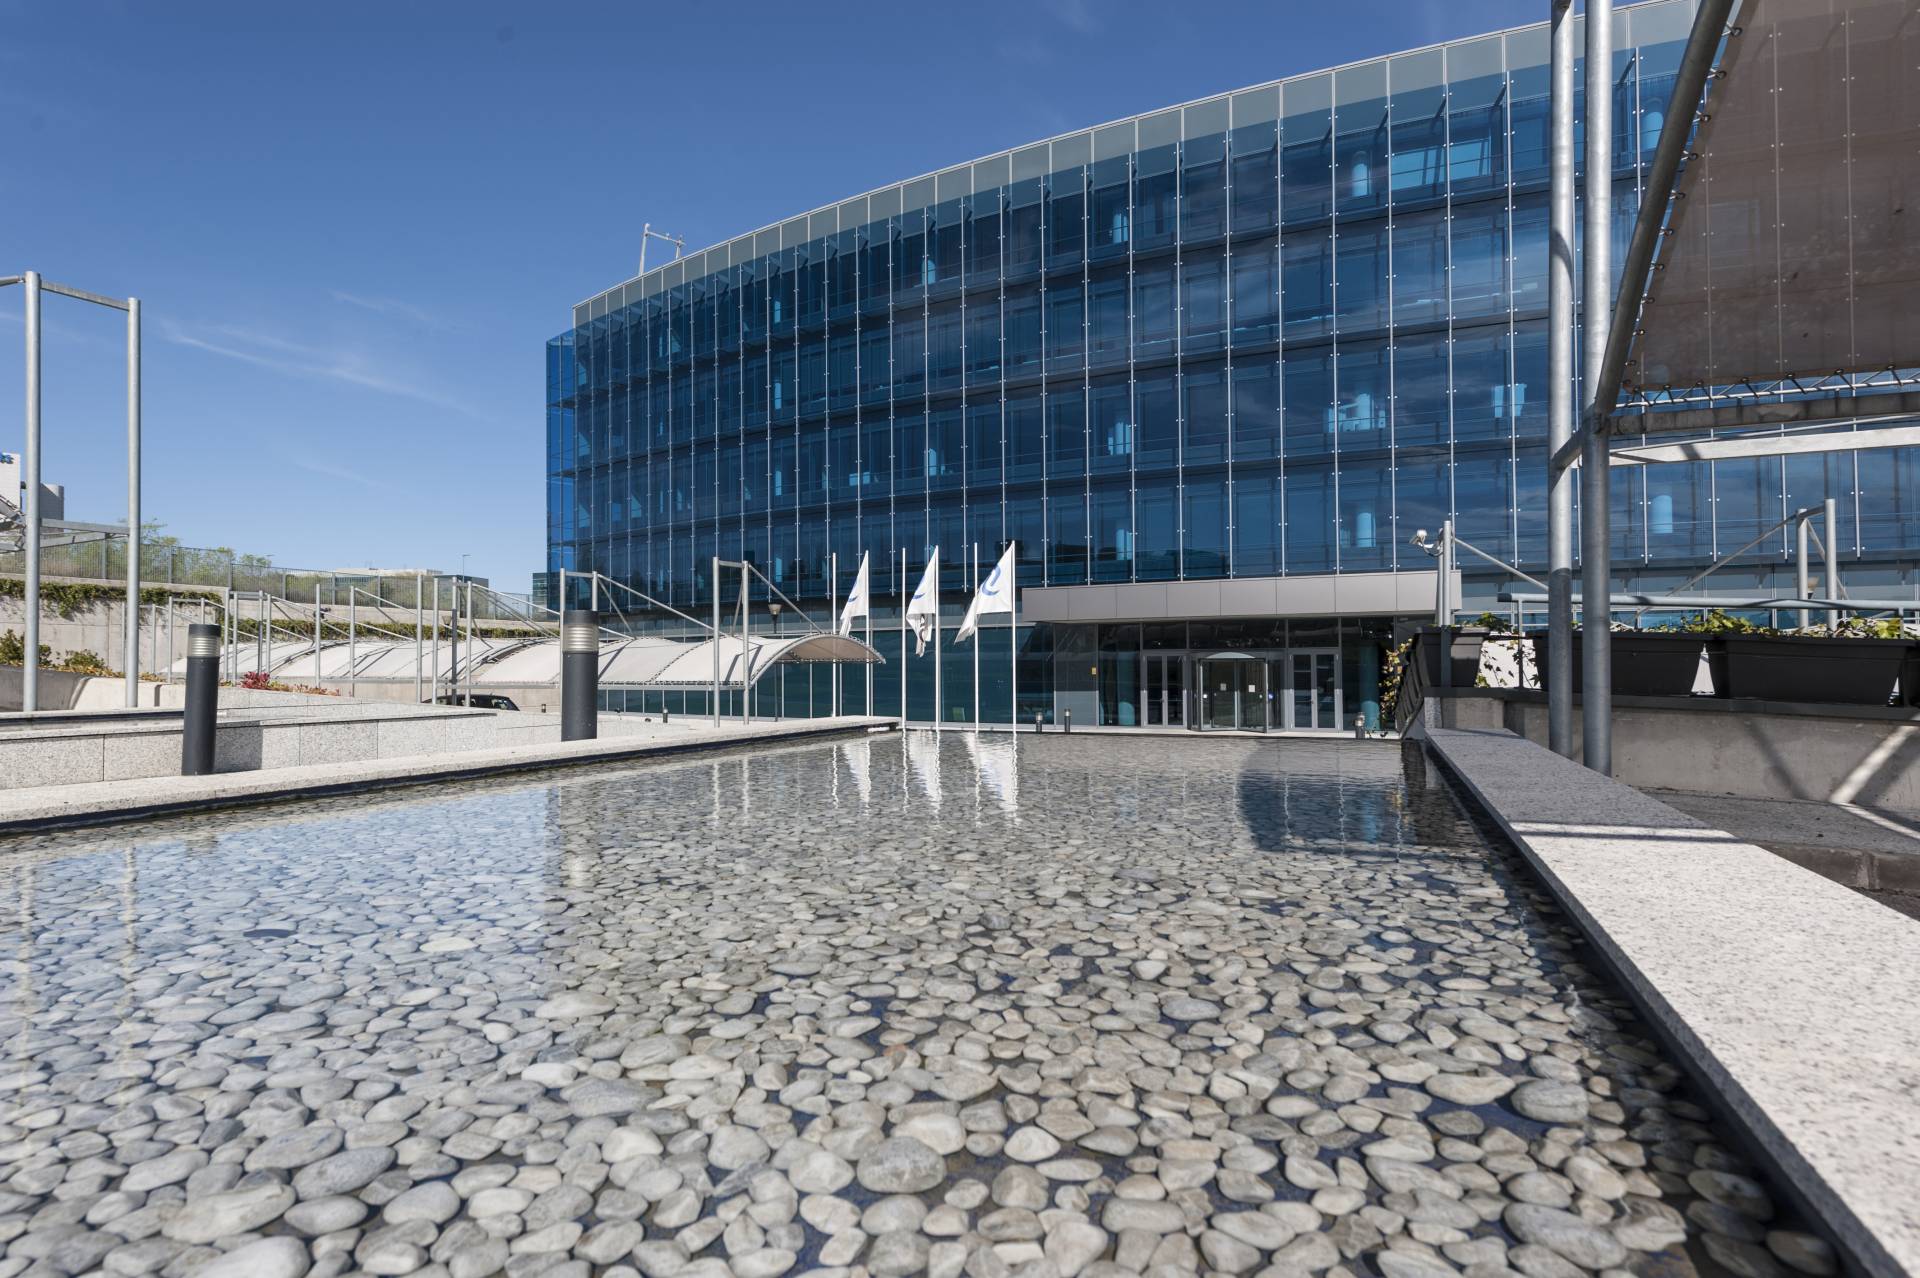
(299, 359)
(1075, 15)
(329, 470)
(390, 306)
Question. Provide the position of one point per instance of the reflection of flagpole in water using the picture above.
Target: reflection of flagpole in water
(998, 767)
(972, 740)
(923, 754)
(859, 757)
(833, 769)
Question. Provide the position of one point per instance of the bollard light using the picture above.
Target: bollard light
(197, 726)
(579, 675)
(1066, 721)
(1036, 721)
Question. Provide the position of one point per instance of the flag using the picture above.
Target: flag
(994, 595)
(856, 599)
(923, 610)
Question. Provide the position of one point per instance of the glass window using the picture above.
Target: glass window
(983, 237)
(1361, 277)
(1155, 197)
(1479, 260)
(1066, 210)
(1309, 519)
(1306, 289)
(983, 444)
(1203, 187)
(1112, 524)
(983, 341)
(1026, 437)
(1067, 537)
(1157, 548)
(1477, 141)
(1420, 398)
(1153, 309)
(946, 448)
(1364, 387)
(813, 376)
(1529, 86)
(1679, 511)
(1418, 168)
(1256, 292)
(1306, 157)
(1107, 317)
(1203, 300)
(909, 354)
(943, 346)
(876, 458)
(946, 235)
(1257, 498)
(911, 261)
(1483, 500)
(1307, 392)
(1423, 496)
(1067, 436)
(910, 451)
(1747, 498)
(1205, 526)
(1360, 138)
(1420, 267)
(1066, 328)
(1366, 511)
(1157, 439)
(1256, 409)
(876, 372)
(1025, 242)
(1256, 189)
(1481, 407)
(1110, 424)
(1110, 227)
(1204, 413)
(1530, 220)
(1022, 338)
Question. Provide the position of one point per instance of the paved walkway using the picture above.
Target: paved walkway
(1788, 993)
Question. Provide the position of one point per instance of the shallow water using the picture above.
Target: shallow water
(770, 1011)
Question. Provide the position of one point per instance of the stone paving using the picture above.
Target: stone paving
(1075, 1006)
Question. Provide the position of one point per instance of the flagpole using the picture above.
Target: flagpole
(1013, 649)
(903, 637)
(833, 611)
(976, 639)
(939, 699)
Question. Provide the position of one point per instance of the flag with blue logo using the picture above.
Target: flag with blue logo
(856, 600)
(995, 594)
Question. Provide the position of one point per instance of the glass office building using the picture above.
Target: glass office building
(1210, 368)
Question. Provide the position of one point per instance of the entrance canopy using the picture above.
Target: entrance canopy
(1783, 283)
(624, 662)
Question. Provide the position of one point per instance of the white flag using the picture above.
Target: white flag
(994, 595)
(923, 610)
(856, 600)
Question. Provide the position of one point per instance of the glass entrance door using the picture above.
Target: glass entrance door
(1313, 689)
(1234, 693)
(1165, 696)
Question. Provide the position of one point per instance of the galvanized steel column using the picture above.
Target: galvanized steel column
(1596, 568)
(30, 505)
(133, 502)
(1559, 671)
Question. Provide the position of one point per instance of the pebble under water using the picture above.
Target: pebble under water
(901, 1004)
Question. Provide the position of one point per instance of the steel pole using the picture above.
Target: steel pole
(746, 643)
(30, 506)
(453, 641)
(1596, 502)
(353, 638)
(1560, 483)
(1801, 584)
(903, 637)
(1830, 543)
(419, 619)
(133, 502)
(316, 632)
(716, 642)
(433, 648)
(833, 619)
(473, 650)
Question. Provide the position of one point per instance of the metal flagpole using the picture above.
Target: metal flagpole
(419, 619)
(976, 639)
(903, 637)
(746, 643)
(939, 698)
(833, 616)
(30, 502)
(133, 501)
(316, 630)
(1013, 647)
(353, 638)
(716, 641)
(434, 648)
(473, 650)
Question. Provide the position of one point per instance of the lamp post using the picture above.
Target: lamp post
(780, 703)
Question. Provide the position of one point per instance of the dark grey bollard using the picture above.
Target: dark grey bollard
(1036, 720)
(579, 675)
(203, 700)
(1359, 727)
(1066, 721)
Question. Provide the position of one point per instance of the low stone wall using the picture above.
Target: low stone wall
(290, 731)
(1709, 745)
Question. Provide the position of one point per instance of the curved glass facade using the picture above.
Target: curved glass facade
(1269, 334)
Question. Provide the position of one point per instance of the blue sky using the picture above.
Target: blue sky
(354, 225)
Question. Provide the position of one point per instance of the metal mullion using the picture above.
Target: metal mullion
(1179, 355)
(1393, 360)
(1333, 275)
(1280, 307)
(1226, 293)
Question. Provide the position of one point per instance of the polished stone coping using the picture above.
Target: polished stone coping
(101, 802)
(1792, 996)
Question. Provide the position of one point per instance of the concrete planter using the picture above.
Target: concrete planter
(1646, 665)
(1808, 668)
(1463, 655)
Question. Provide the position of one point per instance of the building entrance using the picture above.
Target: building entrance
(1233, 692)
(1164, 698)
(1313, 689)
